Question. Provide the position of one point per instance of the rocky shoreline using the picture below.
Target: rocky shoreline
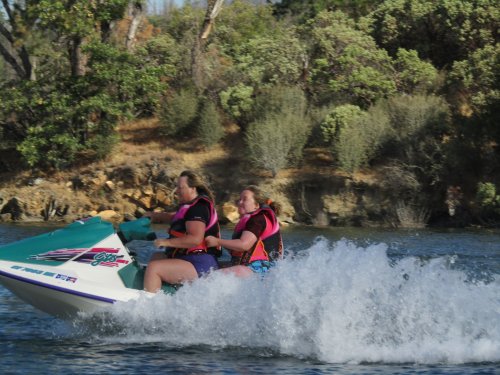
(124, 193)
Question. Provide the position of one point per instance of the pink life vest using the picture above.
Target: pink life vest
(269, 244)
(178, 228)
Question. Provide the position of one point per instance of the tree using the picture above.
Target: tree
(477, 80)
(440, 31)
(213, 9)
(75, 21)
(414, 76)
(346, 64)
(16, 30)
(263, 61)
(309, 9)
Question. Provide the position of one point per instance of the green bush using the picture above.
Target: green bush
(237, 100)
(210, 129)
(178, 112)
(338, 119)
(351, 149)
(277, 136)
(486, 195)
(268, 144)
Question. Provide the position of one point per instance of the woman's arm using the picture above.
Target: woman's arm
(195, 232)
(245, 243)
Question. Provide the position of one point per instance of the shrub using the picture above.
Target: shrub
(178, 112)
(210, 130)
(268, 144)
(486, 195)
(337, 119)
(354, 135)
(351, 149)
(280, 130)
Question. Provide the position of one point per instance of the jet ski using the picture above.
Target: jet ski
(79, 268)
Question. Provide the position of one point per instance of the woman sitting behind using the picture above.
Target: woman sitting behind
(256, 241)
(187, 256)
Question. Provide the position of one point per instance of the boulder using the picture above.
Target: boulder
(229, 212)
(5, 218)
(111, 216)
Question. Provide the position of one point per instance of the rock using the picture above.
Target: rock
(129, 217)
(148, 191)
(5, 217)
(163, 198)
(111, 216)
(110, 185)
(146, 201)
(14, 207)
(229, 212)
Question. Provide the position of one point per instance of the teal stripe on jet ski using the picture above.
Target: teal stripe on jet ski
(80, 234)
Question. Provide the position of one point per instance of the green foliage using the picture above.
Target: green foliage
(136, 86)
(309, 9)
(209, 130)
(275, 58)
(74, 117)
(346, 64)
(351, 149)
(178, 112)
(279, 132)
(355, 135)
(240, 22)
(418, 126)
(442, 31)
(486, 195)
(100, 146)
(338, 119)
(237, 100)
(272, 59)
(414, 75)
(479, 77)
(417, 116)
(78, 17)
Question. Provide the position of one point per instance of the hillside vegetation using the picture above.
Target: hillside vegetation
(351, 112)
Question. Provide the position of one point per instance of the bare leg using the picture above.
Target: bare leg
(240, 271)
(173, 271)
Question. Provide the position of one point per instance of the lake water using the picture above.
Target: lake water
(344, 301)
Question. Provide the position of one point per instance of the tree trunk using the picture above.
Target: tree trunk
(135, 14)
(78, 60)
(213, 9)
(11, 60)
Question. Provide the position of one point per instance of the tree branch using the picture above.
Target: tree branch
(6, 33)
(9, 58)
(6, 6)
(213, 9)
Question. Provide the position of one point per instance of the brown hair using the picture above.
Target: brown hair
(196, 181)
(262, 199)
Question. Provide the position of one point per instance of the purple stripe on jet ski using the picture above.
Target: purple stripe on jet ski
(48, 286)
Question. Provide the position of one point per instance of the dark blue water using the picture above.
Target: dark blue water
(345, 301)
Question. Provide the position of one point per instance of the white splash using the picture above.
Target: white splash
(334, 302)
